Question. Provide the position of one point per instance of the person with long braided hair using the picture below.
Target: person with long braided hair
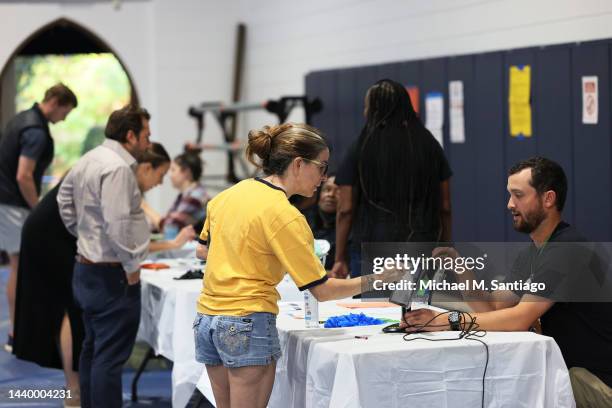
(394, 180)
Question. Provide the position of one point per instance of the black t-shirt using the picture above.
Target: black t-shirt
(386, 227)
(323, 226)
(583, 330)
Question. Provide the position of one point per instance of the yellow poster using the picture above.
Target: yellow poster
(520, 119)
(519, 101)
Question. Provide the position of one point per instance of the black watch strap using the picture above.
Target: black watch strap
(454, 320)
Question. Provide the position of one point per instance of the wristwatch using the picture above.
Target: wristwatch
(454, 320)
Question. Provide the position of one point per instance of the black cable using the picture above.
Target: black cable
(471, 332)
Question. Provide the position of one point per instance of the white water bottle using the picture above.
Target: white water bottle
(311, 304)
(311, 309)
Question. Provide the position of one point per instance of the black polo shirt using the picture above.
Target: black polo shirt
(583, 330)
(27, 134)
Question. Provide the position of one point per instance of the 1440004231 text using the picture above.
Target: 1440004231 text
(39, 394)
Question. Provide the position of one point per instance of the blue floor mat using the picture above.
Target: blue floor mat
(154, 387)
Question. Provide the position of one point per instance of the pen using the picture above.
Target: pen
(361, 337)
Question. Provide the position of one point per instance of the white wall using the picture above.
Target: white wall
(125, 30)
(177, 53)
(289, 38)
(191, 62)
(181, 52)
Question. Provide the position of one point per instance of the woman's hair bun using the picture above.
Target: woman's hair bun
(278, 145)
(261, 141)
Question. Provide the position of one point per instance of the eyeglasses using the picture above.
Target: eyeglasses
(321, 165)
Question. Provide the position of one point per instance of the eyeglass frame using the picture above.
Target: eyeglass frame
(323, 167)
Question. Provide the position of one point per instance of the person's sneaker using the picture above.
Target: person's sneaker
(8, 347)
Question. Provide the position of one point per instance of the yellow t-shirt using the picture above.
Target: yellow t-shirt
(254, 237)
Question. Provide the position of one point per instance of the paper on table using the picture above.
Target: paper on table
(384, 312)
(366, 305)
(155, 266)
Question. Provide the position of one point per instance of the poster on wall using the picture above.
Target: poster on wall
(590, 100)
(456, 118)
(434, 115)
(413, 92)
(519, 101)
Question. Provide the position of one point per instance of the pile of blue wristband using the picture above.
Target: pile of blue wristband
(350, 320)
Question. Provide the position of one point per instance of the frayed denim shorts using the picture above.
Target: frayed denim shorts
(236, 341)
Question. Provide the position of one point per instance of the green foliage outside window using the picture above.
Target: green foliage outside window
(101, 86)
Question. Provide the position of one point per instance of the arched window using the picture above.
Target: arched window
(65, 51)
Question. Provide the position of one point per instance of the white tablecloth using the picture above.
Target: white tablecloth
(332, 368)
(168, 311)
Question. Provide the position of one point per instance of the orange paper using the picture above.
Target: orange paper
(413, 91)
(154, 266)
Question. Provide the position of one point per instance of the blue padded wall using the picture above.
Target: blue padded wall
(592, 176)
(480, 165)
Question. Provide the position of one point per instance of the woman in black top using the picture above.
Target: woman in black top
(394, 180)
(48, 325)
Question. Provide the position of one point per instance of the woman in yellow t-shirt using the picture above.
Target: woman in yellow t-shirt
(252, 236)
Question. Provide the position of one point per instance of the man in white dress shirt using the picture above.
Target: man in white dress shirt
(99, 202)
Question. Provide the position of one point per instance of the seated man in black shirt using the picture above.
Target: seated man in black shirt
(583, 330)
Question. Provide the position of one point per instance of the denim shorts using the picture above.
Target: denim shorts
(236, 341)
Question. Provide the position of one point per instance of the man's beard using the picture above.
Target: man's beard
(137, 153)
(530, 221)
